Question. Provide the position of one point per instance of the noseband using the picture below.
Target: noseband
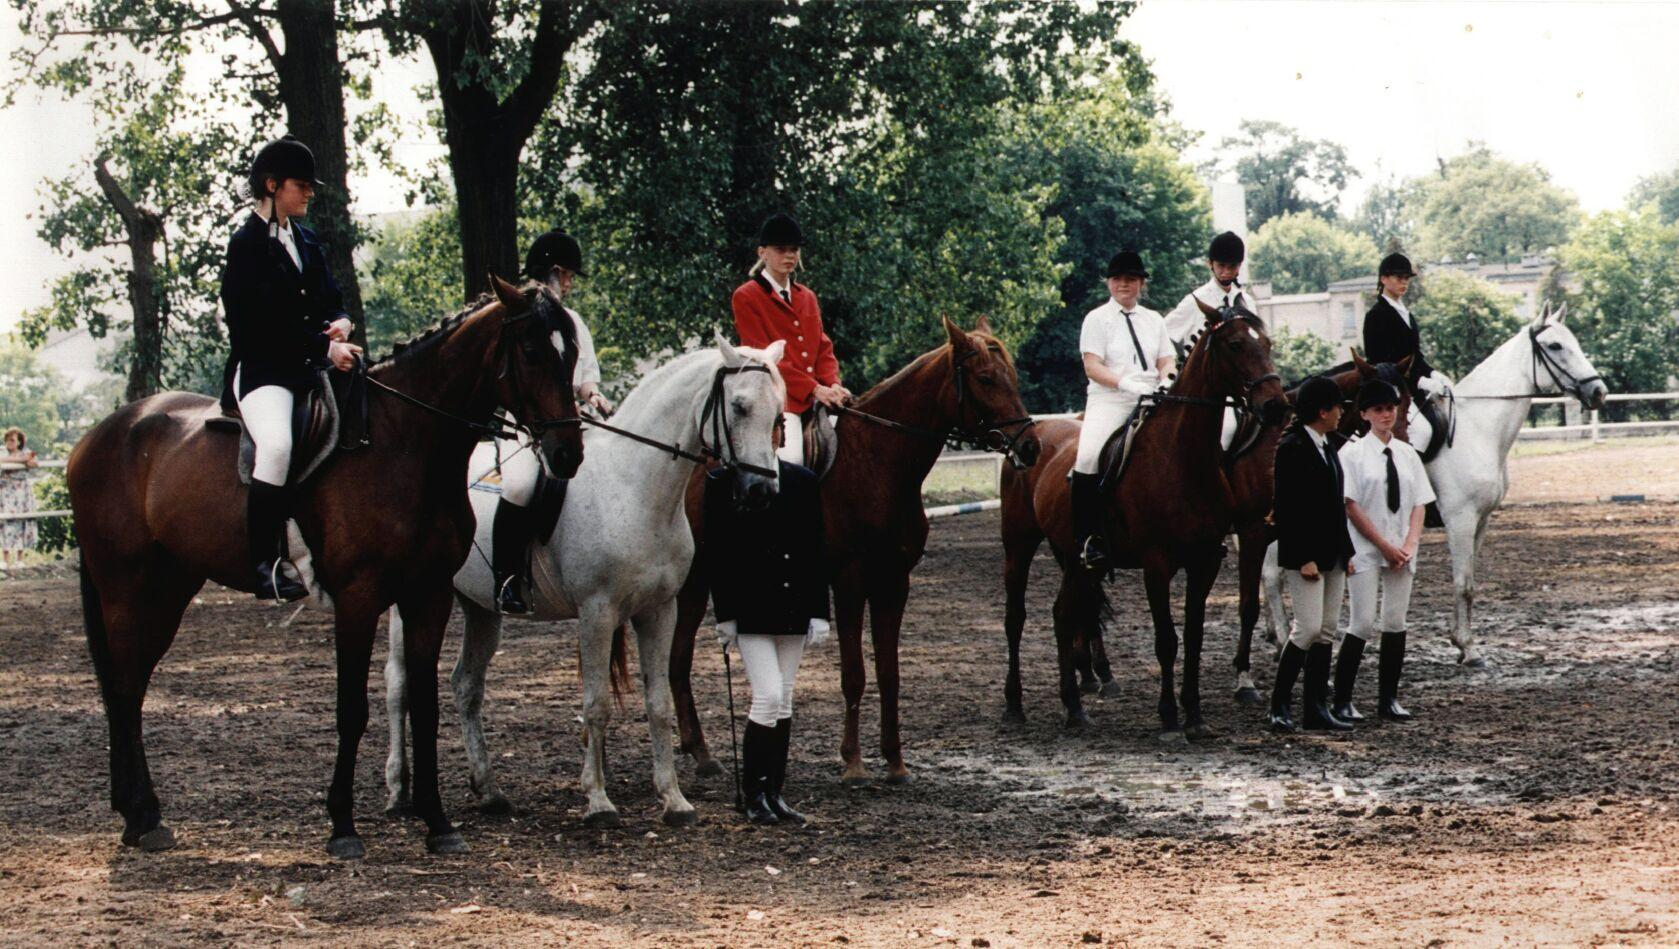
(1560, 375)
(985, 435)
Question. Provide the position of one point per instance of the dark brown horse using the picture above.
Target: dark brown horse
(876, 528)
(1252, 477)
(1169, 511)
(159, 509)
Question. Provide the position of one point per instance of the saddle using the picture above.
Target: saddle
(320, 426)
(821, 439)
(1116, 451)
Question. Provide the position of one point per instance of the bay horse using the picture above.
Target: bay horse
(620, 552)
(1169, 511)
(876, 527)
(159, 510)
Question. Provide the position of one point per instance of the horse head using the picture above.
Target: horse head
(1237, 355)
(988, 409)
(537, 349)
(744, 412)
(1392, 373)
(1557, 356)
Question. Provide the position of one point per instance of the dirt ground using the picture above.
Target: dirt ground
(1533, 801)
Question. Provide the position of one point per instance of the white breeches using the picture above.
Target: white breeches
(267, 414)
(1394, 587)
(1227, 434)
(1102, 415)
(1418, 431)
(519, 470)
(1317, 606)
(792, 448)
(771, 663)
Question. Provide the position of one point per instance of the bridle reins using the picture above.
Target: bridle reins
(1538, 356)
(1243, 403)
(985, 435)
(714, 415)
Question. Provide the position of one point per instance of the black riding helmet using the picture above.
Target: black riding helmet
(554, 249)
(1318, 393)
(1375, 392)
(1227, 248)
(781, 230)
(285, 157)
(1396, 264)
(1126, 263)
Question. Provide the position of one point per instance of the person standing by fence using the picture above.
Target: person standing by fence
(16, 497)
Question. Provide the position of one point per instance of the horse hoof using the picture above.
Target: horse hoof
(452, 842)
(1198, 731)
(1110, 689)
(495, 805)
(157, 839)
(1090, 687)
(709, 768)
(899, 777)
(675, 818)
(1248, 695)
(1076, 721)
(1173, 737)
(1476, 662)
(601, 819)
(1014, 716)
(346, 848)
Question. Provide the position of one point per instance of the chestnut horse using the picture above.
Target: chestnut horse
(876, 528)
(1169, 511)
(159, 509)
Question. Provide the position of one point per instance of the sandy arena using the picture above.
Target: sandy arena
(1533, 801)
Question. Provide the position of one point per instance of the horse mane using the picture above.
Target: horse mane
(991, 343)
(431, 338)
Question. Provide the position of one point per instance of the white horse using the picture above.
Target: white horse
(620, 553)
(1471, 473)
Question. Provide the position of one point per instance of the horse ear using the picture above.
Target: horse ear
(731, 355)
(1365, 370)
(774, 352)
(1211, 314)
(1404, 365)
(508, 294)
(958, 339)
(1561, 313)
(983, 325)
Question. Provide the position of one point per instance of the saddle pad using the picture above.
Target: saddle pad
(1116, 452)
(314, 435)
(821, 440)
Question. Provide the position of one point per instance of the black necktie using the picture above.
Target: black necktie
(1141, 360)
(788, 296)
(1393, 482)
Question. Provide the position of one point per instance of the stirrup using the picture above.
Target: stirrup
(274, 584)
(508, 600)
(1093, 557)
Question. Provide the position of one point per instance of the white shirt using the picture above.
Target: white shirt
(1366, 484)
(588, 367)
(288, 240)
(1186, 317)
(1106, 335)
(1320, 440)
(1400, 306)
(785, 293)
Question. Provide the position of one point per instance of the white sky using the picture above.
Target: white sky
(1587, 89)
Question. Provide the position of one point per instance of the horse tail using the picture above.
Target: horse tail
(620, 663)
(93, 621)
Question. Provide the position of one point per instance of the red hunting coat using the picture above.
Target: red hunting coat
(762, 317)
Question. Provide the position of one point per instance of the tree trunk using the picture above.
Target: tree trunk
(143, 227)
(312, 88)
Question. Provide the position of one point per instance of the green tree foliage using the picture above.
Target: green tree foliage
(1303, 253)
(1496, 209)
(695, 121)
(1624, 309)
(411, 275)
(1283, 173)
(1463, 319)
(1660, 191)
(29, 396)
(171, 148)
(1298, 356)
(1386, 215)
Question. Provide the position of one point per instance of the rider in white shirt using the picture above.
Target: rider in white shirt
(1223, 291)
(1127, 353)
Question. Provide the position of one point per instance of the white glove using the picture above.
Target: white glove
(817, 634)
(1435, 385)
(1139, 385)
(726, 634)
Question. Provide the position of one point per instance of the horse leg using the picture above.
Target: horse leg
(1463, 538)
(131, 622)
(356, 621)
(1098, 649)
(597, 627)
(1250, 560)
(1070, 615)
(1157, 579)
(479, 643)
(1200, 574)
(1017, 570)
(427, 613)
(690, 612)
(848, 615)
(886, 616)
(653, 629)
(399, 796)
(1276, 616)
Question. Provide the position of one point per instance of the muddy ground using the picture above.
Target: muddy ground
(1533, 801)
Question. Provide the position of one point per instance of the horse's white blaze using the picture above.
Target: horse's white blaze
(619, 555)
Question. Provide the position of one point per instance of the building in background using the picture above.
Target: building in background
(78, 356)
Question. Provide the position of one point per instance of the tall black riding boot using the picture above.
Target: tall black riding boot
(1282, 692)
(1087, 522)
(756, 751)
(1346, 673)
(1387, 679)
(1314, 711)
(266, 508)
(510, 541)
(778, 775)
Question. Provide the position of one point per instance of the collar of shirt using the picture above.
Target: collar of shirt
(779, 289)
(288, 239)
(1398, 305)
(1320, 440)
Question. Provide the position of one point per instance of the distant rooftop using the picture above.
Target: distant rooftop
(1529, 267)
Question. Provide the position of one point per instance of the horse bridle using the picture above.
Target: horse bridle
(1556, 369)
(1242, 404)
(714, 415)
(993, 438)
